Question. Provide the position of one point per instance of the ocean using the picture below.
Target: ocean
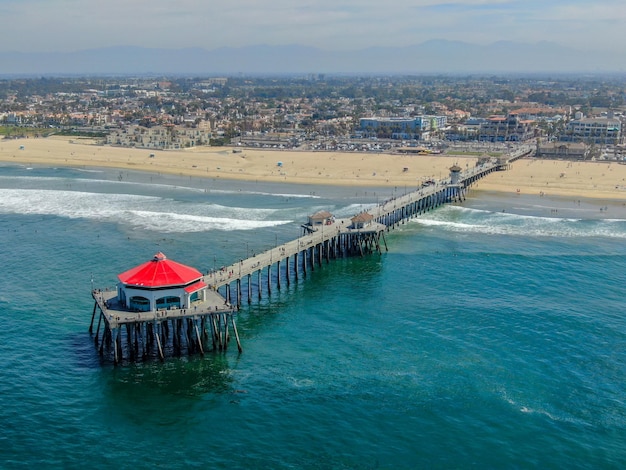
(492, 334)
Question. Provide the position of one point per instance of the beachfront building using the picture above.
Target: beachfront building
(411, 128)
(561, 150)
(508, 128)
(165, 137)
(604, 130)
(160, 284)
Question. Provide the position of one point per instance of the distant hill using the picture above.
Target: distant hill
(436, 56)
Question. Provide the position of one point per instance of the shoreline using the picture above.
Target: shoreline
(560, 178)
(268, 165)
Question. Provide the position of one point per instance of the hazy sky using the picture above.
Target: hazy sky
(67, 25)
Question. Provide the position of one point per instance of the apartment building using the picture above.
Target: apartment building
(508, 128)
(601, 130)
(164, 137)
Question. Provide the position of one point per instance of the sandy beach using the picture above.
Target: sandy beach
(528, 176)
(559, 178)
(336, 168)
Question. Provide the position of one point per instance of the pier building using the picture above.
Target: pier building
(160, 284)
(162, 307)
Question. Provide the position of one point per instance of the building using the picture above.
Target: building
(455, 174)
(593, 131)
(560, 150)
(160, 137)
(320, 218)
(362, 220)
(160, 284)
(418, 127)
(153, 299)
(508, 128)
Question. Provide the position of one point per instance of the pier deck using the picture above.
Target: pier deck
(162, 330)
(117, 315)
(315, 237)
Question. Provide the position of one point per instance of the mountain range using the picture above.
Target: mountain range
(435, 56)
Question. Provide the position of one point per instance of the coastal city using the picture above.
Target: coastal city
(575, 118)
(317, 235)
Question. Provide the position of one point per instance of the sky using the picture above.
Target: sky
(71, 25)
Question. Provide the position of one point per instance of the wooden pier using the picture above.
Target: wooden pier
(207, 322)
(339, 238)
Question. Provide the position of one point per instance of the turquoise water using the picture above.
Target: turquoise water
(483, 338)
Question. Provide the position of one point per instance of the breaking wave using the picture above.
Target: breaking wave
(141, 212)
(460, 219)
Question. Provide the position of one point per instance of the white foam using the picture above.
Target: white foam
(85, 170)
(456, 219)
(446, 223)
(352, 209)
(177, 223)
(303, 196)
(142, 212)
(32, 178)
(207, 189)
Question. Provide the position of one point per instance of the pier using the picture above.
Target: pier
(199, 313)
(335, 238)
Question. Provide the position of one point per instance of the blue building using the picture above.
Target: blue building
(412, 128)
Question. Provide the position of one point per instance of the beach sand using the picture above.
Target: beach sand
(325, 168)
(527, 176)
(559, 178)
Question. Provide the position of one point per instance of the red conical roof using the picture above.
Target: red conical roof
(160, 272)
